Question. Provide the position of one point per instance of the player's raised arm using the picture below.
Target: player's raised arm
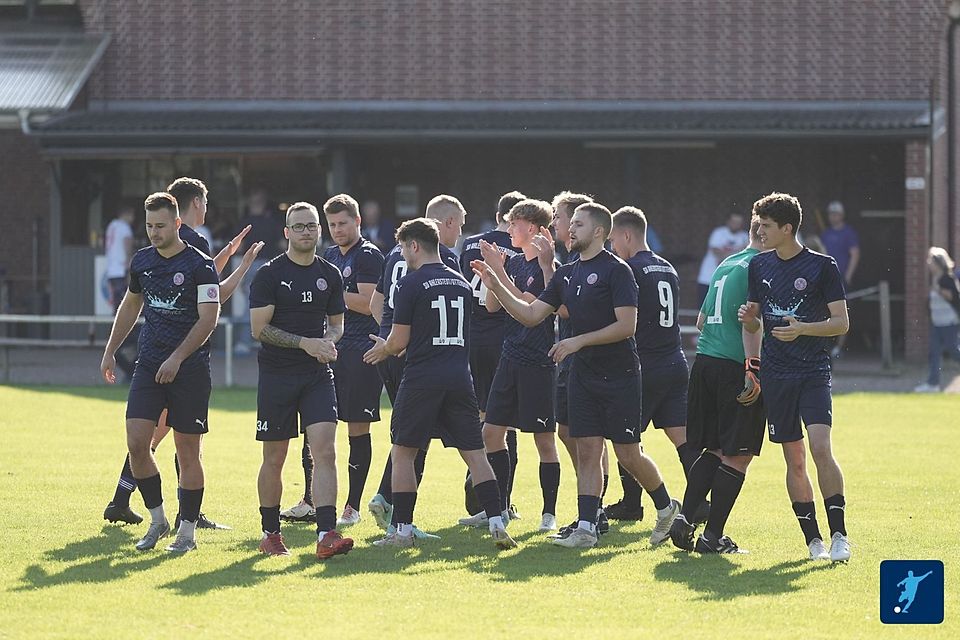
(229, 250)
(230, 284)
(529, 314)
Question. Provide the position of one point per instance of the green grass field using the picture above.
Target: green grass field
(66, 573)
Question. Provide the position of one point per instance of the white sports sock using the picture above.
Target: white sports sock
(665, 511)
(320, 535)
(188, 529)
(157, 516)
(587, 526)
(405, 530)
(496, 522)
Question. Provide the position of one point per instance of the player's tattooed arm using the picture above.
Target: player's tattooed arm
(279, 338)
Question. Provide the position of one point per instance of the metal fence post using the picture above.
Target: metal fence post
(228, 360)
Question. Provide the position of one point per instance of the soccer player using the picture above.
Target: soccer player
(191, 196)
(182, 293)
(797, 296)
(663, 367)
(449, 215)
(603, 395)
(521, 394)
(487, 327)
(436, 399)
(358, 385)
(726, 416)
(296, 312)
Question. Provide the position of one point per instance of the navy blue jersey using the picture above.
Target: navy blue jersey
(435, 301)
(194, 239)
(361, 264)
(592, 289)
(302, 297)
(171, 289)
(487, 327)
(658, 332)
(395, 268)
(801, 287)
(521, 344)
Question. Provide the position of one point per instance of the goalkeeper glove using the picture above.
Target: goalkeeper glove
(751, 382)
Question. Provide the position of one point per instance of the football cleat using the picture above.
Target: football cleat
(623, 511)
(114, 513)
(681, 533)
(839, 548)
(156, 531)
(476, 520)
(333, 544)
(565, 530)
(577, 539)
(349, 517)
(394, 539)
(548, 522)
(603, 524)
(203, 522)
(502, 539)
(661, 530)
(724, 545)
(381, 510)
(513, 513)
(272, 545)
(182, 544)
(817, 550)
(300, 512)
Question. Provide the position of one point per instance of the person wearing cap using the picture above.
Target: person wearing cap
(842, 242)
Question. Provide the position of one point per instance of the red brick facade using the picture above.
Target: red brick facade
(500, 50)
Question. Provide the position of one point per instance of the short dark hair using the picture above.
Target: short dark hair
(598, 213)
(161, 200)
(537, 212)
(300, 206)
(508, 201)
(782, 208)
(340, 203)
(424, 231)
(570, 200)
(186, 189)
(630, 217)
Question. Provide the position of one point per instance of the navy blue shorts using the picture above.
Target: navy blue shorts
(423, 414)
(282, 397)
(715, 419)
(483, 366)
(664, 396)
(601, 406)
(186, 399)
(790, 401)
(560, 396)
(358, 388)
(391, 373)
(522, 396)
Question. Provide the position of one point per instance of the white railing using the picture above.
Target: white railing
(91, 321)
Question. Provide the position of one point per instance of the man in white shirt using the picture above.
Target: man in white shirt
(118, 247)
(724, 241)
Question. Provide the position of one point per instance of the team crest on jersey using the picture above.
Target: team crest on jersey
(529, 281)
(321, 284)
(347, 271)
(212, 293)
(800, 284)
(178, 278)
(592, 278)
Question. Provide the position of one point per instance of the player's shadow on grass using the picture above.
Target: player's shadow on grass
(101, 558)
(716, 577)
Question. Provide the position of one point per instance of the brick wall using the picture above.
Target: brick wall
(26, 197)
(502, 50)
